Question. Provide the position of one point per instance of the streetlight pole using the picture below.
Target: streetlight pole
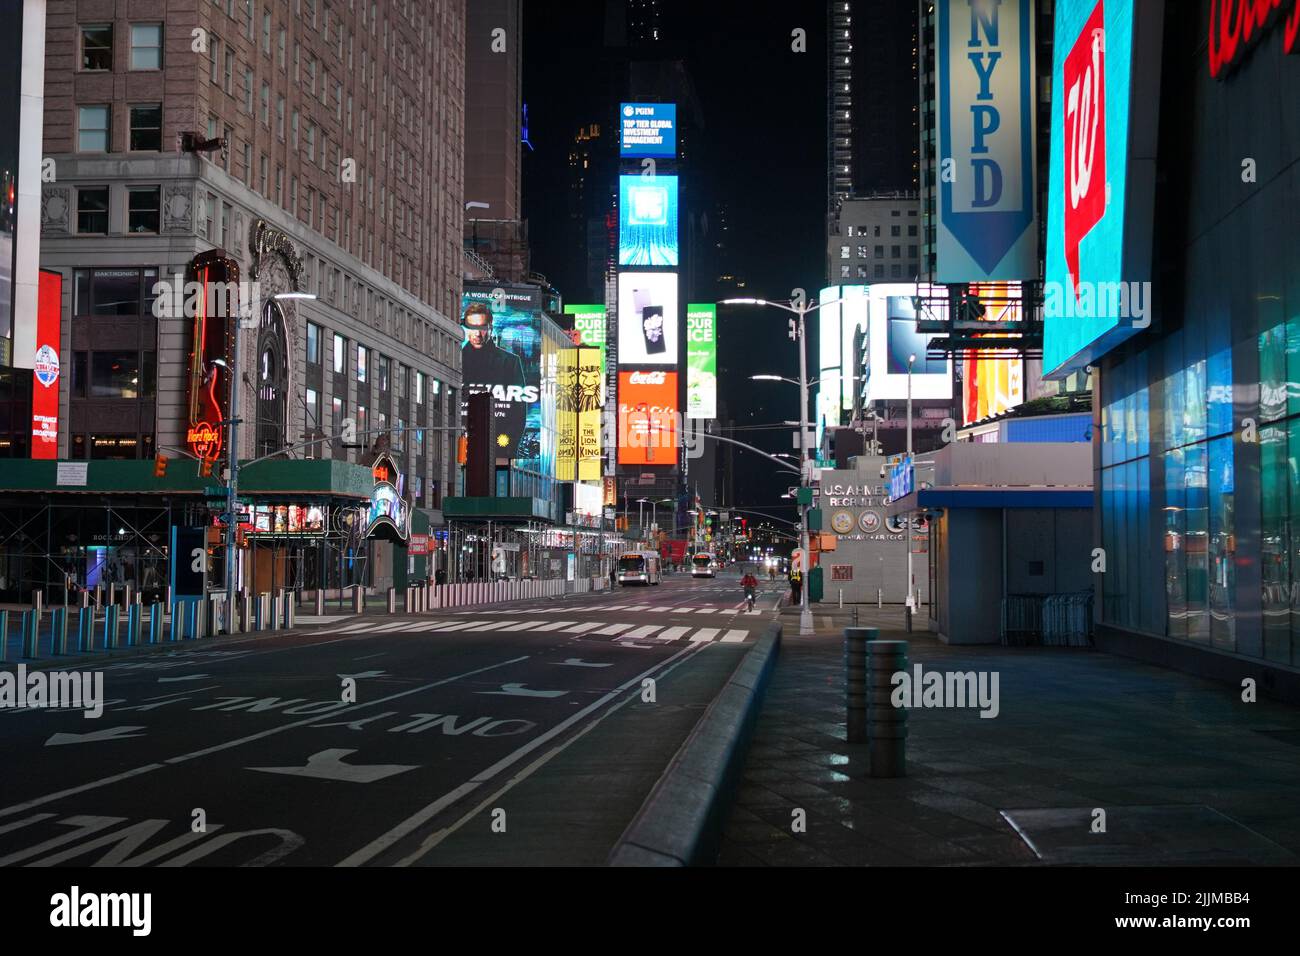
(801, 309)
(907, 519)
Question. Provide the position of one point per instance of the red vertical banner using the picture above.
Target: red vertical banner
(46, 366)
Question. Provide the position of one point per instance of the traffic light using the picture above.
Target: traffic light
(205, 468)
(160, 466)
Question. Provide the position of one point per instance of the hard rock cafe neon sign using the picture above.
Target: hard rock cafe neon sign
(204, 440)
(1235, 24)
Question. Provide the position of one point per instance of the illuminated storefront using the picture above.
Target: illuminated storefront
(1198, 408)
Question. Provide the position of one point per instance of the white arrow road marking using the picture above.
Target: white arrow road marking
(578, 662)
(329, 765)
(361, 674)
(169, 680)
(108, 733)
(734, 637)
(519, 690)
(704, 635)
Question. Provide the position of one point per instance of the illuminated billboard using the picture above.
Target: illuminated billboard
(648, 129)
(589, 331)
(986, 98)
(578, 415)
(993, 379)
(647, 221)
(647, 318)
(502, 354)
(1101, 172)
(647, 418)
(46, 366)
(701, 360)
(892, 338)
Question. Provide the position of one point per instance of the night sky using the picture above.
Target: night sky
(763, 155)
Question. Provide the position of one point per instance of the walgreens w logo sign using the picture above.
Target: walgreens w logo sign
(1085, 136)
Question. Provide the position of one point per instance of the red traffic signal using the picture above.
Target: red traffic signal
(205, 468)
(160, 466)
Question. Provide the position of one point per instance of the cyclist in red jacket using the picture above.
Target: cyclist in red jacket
(749, 583)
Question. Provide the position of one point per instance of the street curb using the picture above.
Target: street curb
(680, 823)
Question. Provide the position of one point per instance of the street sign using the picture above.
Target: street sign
(811, 443)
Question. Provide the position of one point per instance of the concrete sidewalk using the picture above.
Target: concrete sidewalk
(1185, 772)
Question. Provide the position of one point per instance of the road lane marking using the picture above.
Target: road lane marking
(672, 633)
(644, 631)
(582, 628)
(579, 662)
(329, 765)
(147, 768)
(704, 635)
(406, 827)
(553, 625)
(734, 637)
(527, 625)
(705, 610)
(491, 626)
(613, 629)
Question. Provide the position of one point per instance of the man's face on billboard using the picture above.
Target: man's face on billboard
(478, 328)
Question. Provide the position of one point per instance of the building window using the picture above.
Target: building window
(266, 33)
(381, 365)
(401, 380)
(313, 343)
(896, 271)
(844, 252)
(876, 231)
(895, 230)
(97, 47)
(362, 361)
(340, 347)
(146, 46)
(844, 271)
(113, 291)
(143, 209)
(119, 375)
(880, 252)
(313, 410)
(92, 129)
(419, 388)
(862, 252)
(911, 230)
(895, 252)
(214, 59)
(146, 128)
(92, 209)
(248, 91)
(880, 271)
(114, 447)
(279, 117)
(266, 105)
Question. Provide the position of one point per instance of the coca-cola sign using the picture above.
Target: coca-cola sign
(1235, 25)
(646, 378)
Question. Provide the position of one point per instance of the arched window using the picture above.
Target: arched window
(272, 380)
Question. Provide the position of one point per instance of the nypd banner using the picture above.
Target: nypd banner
(986, 225)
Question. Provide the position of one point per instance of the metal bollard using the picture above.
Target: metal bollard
(358, 599)
(4, 634)
(31, 625)
(178, 626)
(128, 595)
(111, 620)
(288, 612)
(155, 622)
(275, 599)
(886, 724)
(841, 599)
(55, 620)
(880, 598)
(85, 628)
(85, 599)
(320, 602)
(392, 600)
(258, 621)
(133, 624)
(855, 680)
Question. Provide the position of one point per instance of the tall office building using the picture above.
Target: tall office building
(872, 115)
(305, 147)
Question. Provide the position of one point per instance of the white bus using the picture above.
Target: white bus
(639, 567)
(703, 565)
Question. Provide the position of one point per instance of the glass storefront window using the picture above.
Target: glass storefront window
(1175, 546)
(1222, 545)
(1274, 546)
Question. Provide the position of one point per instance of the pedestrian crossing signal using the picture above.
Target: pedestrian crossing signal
(160, 466)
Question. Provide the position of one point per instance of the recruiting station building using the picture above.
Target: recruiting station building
(1191, 182)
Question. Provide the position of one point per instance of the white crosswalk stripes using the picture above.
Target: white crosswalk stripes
(563, 629)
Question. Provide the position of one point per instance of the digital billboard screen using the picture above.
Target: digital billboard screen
(647, 318)
(647, 221)
(701, 360)
(502, 354)
(892, 337)
(647, 418)
(648, 129)
(1092, 265)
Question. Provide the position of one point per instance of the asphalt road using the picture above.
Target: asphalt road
(511, 734)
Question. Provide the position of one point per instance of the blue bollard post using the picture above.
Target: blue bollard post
(192, 619)
(56, 620)
(4, 634)
(30, 624)
(177, 623)
(85, 619)
(155, 622)
(111, 622)
(132, 624)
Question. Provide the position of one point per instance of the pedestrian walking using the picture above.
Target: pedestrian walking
(796, 587)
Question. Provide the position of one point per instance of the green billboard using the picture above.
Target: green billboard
(701, 361)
